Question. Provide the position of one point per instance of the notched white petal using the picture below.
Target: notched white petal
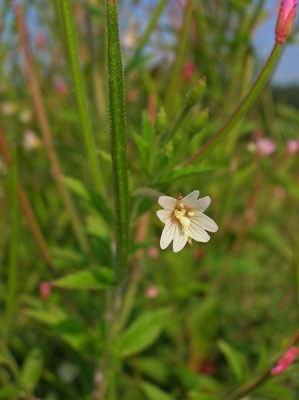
(205, 222)
(163, 215)
(167, 202)
(191, 198)
(179, 240)
(167, 235)
(202, 204)
(197, 233)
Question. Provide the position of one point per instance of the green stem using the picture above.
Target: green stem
(13, 251)
(80, 95)
(247, 389)
(144, 39)
(242, 107)
(174, 79)
(118, 137)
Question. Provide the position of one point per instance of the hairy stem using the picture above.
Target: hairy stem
(118, 137)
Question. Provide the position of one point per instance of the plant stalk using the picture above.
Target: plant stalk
(47, 133)
(242, 108)
(80, 95)
(118, 137)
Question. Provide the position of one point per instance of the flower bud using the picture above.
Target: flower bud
(287, 359)
(285, 21)
(196, 93)
(199, 122)
(44, 290)
(161, 120)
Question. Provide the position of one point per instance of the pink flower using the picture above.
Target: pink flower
(285, 21)
(265, 146)
(45, 290)
(292, 146)
(287, 359)
(152, 292)
(188, 71)
(61, 87)
(40, 40)
(154, 252)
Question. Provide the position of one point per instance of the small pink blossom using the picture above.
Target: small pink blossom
(285, 21)
(265, 146)
(40, 41)
(292, 146)
(154, 252)
(45, 290)
(188, 71)
(61, 87)
(287, 359)
(152, 292)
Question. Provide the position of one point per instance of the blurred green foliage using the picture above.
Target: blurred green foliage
(201, 321)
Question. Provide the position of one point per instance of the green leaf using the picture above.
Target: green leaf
(274, 239)
(202, 396)
(88, 279)
(188, 171)
(143, 332)
(153, 392)
(105, 156)
(147, 129)
(76, 186)
(142, 147)
(94, 199)
(9, 393)
(32, 369)
(235, 360)
(71, 330)
(153, 368)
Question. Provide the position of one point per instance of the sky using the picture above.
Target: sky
(287, 71)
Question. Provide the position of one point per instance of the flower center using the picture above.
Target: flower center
(180, 214)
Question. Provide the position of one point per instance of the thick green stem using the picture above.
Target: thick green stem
(144, 39)
(118, 137)
(80, 95)
(242, 107)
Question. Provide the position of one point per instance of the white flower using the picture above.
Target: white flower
(184, 219)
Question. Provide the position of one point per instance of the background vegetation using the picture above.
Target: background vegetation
(204, 324)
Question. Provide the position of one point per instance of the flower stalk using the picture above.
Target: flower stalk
(118, 137)
(80, 95)
(242, 108)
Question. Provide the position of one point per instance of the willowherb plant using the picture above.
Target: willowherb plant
(125, 320)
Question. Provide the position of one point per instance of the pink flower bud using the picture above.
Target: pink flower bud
(151, 292)
(265, 146)
(287, 359)
(188, 71)
(285, 21)
(40, 40)
(44, 290)
(292, 146)
(61, 87)
(154, 252)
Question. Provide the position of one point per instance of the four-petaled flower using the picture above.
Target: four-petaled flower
(184, 220)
